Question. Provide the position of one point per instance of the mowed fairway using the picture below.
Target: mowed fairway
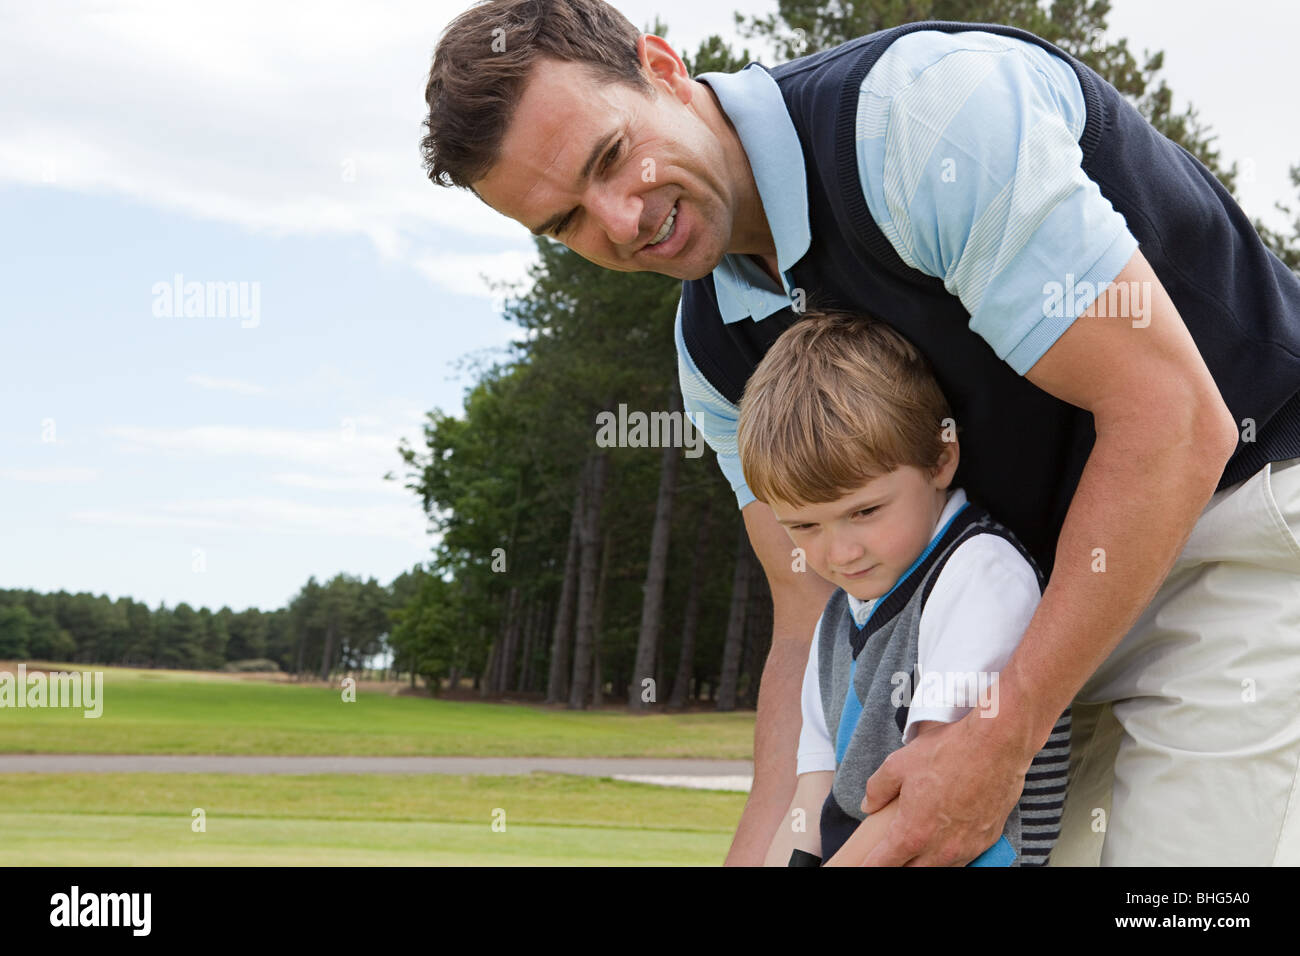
(134, 819)
(194, 712)
(146, 819)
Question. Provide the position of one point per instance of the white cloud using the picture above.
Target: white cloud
(244, 112)
(226, 384)
(336, 483)
(50, 475)
(257, 515)
(351, 449)
(464, 274)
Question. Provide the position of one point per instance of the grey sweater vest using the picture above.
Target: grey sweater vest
(868, 677)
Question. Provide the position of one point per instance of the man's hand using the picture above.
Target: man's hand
(955, 786)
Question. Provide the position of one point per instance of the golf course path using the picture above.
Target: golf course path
(709, 774)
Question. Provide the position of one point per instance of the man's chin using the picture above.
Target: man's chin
(689, 269)
(688, 278)
(691, 273)
(674, 270)
(703, 270)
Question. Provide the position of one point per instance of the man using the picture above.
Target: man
(1100, 314)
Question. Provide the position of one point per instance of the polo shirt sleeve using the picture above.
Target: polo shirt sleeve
(714, 416)
(816, 749)
(970, 165)
(970, 626)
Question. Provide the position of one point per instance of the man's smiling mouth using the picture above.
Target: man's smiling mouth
(669, 226)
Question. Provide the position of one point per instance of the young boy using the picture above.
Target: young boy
(846, 435)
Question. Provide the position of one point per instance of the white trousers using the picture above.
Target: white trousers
(1186, 741)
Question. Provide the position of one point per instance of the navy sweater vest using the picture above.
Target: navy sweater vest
(1023, 450)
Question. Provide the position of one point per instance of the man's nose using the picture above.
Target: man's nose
(618, 213)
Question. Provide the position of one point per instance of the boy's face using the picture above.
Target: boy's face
(865, 540)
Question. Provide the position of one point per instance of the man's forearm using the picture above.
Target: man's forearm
(1136, 504)
(776, 741)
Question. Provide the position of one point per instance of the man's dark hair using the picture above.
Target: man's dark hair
(483, 60)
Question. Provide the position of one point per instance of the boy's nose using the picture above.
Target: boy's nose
(845, 554)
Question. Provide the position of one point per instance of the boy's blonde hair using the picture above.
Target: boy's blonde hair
(838, 401)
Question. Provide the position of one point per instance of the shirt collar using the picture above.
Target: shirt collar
(753, 103)
(862, 609)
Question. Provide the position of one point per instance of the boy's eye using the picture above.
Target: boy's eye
(859, 512)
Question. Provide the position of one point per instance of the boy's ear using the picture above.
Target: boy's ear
(949, 458)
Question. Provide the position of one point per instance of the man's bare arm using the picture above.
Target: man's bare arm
(1163, 438)
(797, 601)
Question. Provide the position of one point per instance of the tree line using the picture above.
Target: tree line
(326, 628)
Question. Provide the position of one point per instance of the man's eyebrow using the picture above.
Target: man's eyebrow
(583, 176)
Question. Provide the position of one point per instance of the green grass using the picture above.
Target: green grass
(123, 819)
(145, 819)
(186, 712)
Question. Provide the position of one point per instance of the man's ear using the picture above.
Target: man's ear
(664, 67)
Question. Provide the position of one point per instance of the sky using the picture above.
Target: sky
(220, 449)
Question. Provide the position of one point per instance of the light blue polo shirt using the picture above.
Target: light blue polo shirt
(969, 160)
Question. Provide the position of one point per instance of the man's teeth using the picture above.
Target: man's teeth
(666, 229)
